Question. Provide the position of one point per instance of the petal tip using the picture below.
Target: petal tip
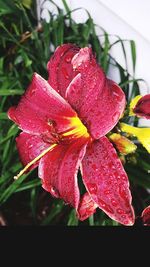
(11, 114)
(82, 58)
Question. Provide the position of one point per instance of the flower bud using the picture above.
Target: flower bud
(142, 108)
(123, 144)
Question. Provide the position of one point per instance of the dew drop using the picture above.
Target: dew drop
(92, 188)
(114, 202)
(124, 177)
(68, 58)
(107, 192)
(65, 73)
(124, 195)
(105, 206)
(32, 91)
(102, 203)
(117, 96)
(54, 191)
(120, 211)
(30, 146)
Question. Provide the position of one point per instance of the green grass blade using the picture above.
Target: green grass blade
(73, 221)
(133, 54)
(11, 92)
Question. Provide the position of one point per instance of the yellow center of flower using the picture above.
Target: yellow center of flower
(77, 129)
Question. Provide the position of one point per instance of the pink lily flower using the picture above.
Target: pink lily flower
(64, 123)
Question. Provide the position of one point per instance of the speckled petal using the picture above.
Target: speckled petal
(42, 110)
(98, 101)
(58, 171)
(107, 182)
(60, 68)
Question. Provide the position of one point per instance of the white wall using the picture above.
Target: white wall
(135, 13)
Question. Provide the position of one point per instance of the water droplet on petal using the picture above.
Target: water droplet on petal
(68, 58)
(107, 192)
(32, 91)
(124, 177)
(54, 192)
(105, 206)
(124, 195)
(120, 211)
(30, 146)
(92, 188)
(114, 202)
(65, 73)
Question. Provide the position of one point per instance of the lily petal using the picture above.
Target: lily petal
(29, 147)
(58, 171)
(60, 68)
(146, 216)
(98, 101)
(42, 110)
(87, 207)
(107, 182)
(142, 134)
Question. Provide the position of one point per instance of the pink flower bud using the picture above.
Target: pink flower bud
(142, 108)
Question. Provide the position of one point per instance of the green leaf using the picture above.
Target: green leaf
(66, 6)
(18, 60)
(3, 116)
(104, 57)
(13, 130)
(12, 188)
(137, 176)
(29, 185)
(11, 92)
(73, 221)
(27, 3)
(91, 220)
(54, 212)
(7, 7)
(133, 54)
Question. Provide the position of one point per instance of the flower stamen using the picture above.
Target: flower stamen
(33, 161)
